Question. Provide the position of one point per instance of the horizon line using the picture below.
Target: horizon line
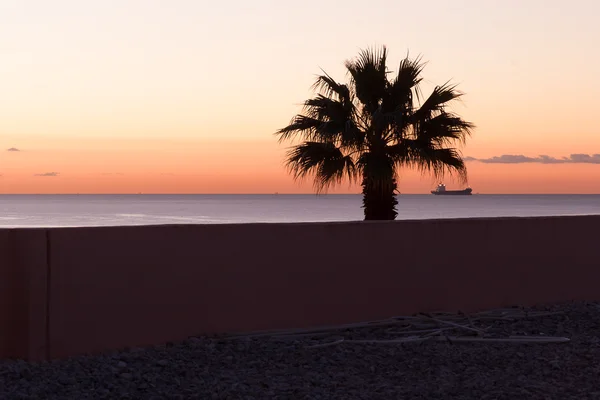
(276, 194)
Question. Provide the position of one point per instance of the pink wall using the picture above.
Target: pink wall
(23, 300)
(131, 286)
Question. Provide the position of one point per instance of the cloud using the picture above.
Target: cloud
(519, 159)
(542, 159)
(585, 158)
(13, 149)
(47, 174)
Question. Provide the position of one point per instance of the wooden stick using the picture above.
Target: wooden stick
(513, 339)
(414, 321)
(423, 331)
(314, 330)
(410, 339)
(325, 344)
(479, 331)
(300, 336)
(522, 339)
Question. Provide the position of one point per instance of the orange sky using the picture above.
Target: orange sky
(237, 166)
(183, 97)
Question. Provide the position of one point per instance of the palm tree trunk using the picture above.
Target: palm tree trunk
(379, 198)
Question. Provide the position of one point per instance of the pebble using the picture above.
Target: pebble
(260, 368)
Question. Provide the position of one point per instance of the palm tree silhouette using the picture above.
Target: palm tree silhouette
(371, 127)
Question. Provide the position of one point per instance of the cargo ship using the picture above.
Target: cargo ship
(441, 190)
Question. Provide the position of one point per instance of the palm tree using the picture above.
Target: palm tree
(372, 126)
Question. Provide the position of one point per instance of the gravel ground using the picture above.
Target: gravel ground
(264, 368)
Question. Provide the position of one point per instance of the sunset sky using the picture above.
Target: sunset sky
(183, 96)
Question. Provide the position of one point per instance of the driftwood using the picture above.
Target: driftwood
(416, 328)
(466, 327)
(452, 339)
(307, 331)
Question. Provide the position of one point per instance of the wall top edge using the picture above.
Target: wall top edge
(325, 223)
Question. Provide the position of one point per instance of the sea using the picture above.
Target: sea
(114, 210)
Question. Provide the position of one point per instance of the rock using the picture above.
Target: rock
(135, 350)
(66, 380)
(264, 368)
(25, 373)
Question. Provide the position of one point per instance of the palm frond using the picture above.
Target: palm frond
(327, 109)
(300, 125)
(407, 80)
(368, 75)
(323, 160)
(397, 105)
(445, 128)
(436, 102)
(326, 85)
(338, 121)
(426, 158)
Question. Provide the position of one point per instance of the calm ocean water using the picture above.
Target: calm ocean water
(96, 210)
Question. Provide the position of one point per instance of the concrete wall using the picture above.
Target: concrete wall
(23, 296)
(128, 286)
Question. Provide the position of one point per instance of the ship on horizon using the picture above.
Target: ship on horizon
(441, 190)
